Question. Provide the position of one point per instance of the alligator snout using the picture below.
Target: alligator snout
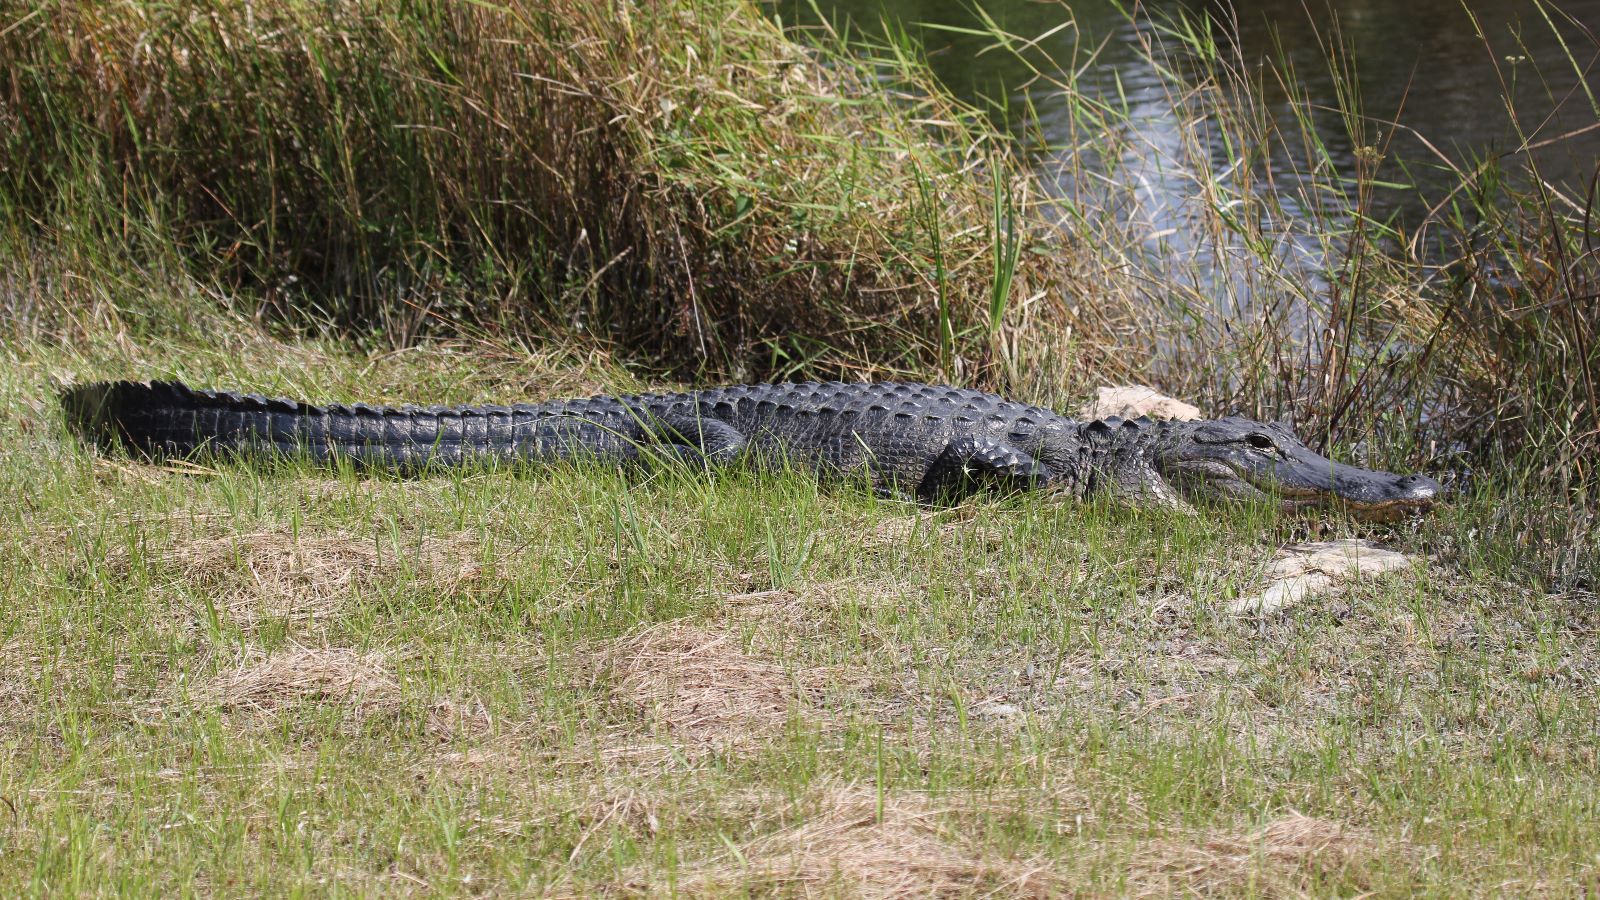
(1368, 487)
(1419, 488)
(1379, 495)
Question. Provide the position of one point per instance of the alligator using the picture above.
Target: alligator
(929, 442)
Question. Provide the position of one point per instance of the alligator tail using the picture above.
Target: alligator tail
(167, 419)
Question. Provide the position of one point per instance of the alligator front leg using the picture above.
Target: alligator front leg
(972, 463)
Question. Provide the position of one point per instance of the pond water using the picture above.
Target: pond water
(1437, 67)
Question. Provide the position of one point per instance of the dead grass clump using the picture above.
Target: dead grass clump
(702, 689)
(929, 526)
(452, 719)
(275, 574)
(1288, 857)
(359, 682)
(795, 609)
(17, 674)
(853, 841)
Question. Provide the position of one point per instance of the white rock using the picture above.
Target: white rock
(1281, 593)
(995, 709)
(1130, 401)
(1303, 571)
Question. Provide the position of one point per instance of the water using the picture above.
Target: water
(1438, 70)
(1432, 78)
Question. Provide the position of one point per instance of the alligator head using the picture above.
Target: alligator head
(1243, 459)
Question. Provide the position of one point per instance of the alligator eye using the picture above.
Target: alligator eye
(1261, 442)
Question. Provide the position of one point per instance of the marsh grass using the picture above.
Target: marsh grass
(678, 181)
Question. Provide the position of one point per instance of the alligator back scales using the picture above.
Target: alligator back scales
(910, 437)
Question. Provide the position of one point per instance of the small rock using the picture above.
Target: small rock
(995, 709)
(1281, 593)
(1303, 571)
(1130, 401)
(1339, 559)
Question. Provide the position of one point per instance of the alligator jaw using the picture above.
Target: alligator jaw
(1384, 511)
(1366, 494)
(1420, 499)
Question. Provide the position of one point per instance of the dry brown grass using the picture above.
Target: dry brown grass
(277, 574)
(260, 687)
(1287, 857)
(928, 526)
(780, 615)
(451, 719)
(701, 689)
(17, 673)
(849, 840)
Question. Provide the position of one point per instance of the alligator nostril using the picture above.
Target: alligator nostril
(1419, 485)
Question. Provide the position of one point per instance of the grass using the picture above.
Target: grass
(561, 682)
(226, 681)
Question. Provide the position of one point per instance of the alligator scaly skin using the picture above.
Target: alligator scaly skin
(917, 439)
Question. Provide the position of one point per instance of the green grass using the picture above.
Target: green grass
(225, 681)
(1011, 689)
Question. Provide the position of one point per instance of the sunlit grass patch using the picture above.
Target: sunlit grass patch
(719, 680)
(360, 684)
(846, 838)
(303, 576)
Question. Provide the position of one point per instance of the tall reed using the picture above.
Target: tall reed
(679, 181)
